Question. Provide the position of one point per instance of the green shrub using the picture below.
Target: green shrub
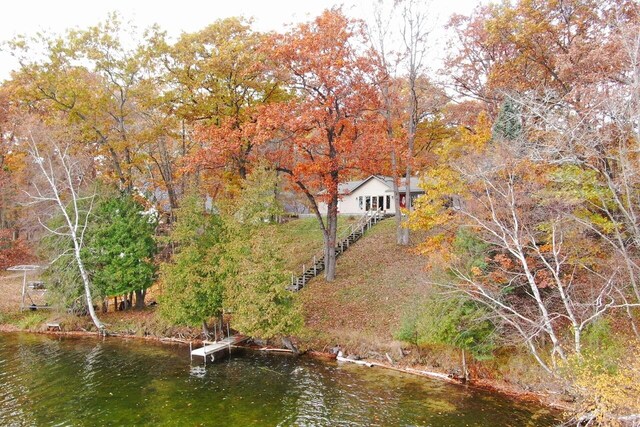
(455, 321)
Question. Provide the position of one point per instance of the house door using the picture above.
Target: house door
(377, 203)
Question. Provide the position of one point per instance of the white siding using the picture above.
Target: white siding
(350, 203)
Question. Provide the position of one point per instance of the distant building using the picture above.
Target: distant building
(374, 193)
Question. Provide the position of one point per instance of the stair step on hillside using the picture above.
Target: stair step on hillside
(299, 282)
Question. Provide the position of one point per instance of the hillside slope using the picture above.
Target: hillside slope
(377, 281)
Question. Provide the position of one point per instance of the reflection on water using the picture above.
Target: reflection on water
(45, 381)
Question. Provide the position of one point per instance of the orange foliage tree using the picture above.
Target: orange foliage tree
(331, 128)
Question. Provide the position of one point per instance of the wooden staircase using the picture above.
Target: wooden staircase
(352, 235)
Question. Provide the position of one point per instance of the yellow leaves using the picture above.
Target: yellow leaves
(15, 161)
(476, 271)
(607, 393)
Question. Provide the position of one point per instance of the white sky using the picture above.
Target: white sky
(30, 16)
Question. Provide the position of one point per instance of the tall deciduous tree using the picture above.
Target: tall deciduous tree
(107, 93)
(415, 32)
(216, 79)
(60, 184)
(331, 128)
(411, 103)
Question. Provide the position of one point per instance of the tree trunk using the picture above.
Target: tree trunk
(71, 216)
(330, 240)
(87, 286)
(396, 197)
(205, 329)
(465, 371)
(407, 185)
(105, 305)
(140, 294)
(404, 230)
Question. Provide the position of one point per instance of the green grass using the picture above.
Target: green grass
(302, 239)
(31, 320)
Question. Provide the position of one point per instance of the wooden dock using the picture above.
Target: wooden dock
(210, 348)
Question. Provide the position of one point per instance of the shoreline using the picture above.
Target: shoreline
(415, 370)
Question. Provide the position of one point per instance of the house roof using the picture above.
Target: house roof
(351, 186)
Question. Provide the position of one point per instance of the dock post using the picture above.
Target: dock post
(190, 350)
(24, 289)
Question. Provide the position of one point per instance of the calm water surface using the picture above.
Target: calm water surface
(88, 382)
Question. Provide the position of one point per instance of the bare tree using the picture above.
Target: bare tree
(415, 32)
(399, 35)
(540, 277)
(60, 178)
(600, 138)
(380, 34)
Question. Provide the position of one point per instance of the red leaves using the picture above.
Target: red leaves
(12, 252)
(328, 129)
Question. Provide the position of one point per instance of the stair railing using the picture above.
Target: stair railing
(363, 224)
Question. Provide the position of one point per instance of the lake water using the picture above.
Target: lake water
(89, 382)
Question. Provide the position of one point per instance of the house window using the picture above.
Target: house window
(367, 203)
(360, 202)
(388, 202)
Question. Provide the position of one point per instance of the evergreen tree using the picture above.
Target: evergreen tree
(508, 125)
(193, 282)
(262, 307)
(121, 247)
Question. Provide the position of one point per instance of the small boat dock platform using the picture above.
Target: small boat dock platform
(211, 348)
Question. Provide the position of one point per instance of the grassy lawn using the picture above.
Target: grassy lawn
(302, 239)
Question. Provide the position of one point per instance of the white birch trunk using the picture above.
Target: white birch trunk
(63, 180)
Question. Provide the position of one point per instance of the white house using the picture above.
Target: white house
(373, 193)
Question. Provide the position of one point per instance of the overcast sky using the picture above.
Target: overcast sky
(31, 16)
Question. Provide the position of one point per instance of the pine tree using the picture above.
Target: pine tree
(193, 281)
(121, 247)
(508, 125)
